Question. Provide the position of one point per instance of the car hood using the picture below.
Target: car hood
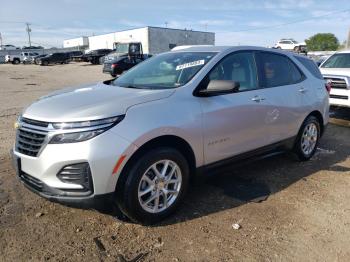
(90, 102)
(336, 71)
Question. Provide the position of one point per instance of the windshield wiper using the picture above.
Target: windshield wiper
(131, 86)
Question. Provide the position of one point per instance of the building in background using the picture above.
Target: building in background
(80, 42)
(154, 39)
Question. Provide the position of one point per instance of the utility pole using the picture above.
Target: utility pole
(28, 31)
(166, 24)
(0, 40)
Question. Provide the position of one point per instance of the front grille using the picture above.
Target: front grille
(29, 142)
(32, 181)
(339, 97)
(337, 83)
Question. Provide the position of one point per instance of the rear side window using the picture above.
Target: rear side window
(277, 70)
(310, 66)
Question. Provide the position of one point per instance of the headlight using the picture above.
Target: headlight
(75, 137)
(84, 130)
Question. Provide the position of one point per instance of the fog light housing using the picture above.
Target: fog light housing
(78, 174)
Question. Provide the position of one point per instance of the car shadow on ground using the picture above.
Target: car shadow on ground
(342, 113)
(255, 181)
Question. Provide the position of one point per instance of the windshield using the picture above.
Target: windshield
(169, 70)
(337, 61)
(122, 48)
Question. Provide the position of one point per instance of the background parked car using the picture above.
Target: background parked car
(36, 58)
(120, 64)
(336, 71)
(22, 57)
(75, 55)
(94, 56)
(55, 58)
(291, 44)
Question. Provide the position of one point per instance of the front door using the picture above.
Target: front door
(234, 123)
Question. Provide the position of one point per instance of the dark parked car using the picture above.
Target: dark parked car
(37, 58)
(94, 56)
(75, 55)
(55, 58)
(118, 65)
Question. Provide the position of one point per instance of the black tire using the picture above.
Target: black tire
(45, 63)
(16, 61)
(298, 147)
(278, 47)
(127, 191)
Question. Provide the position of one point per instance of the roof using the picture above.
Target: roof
(208, 48)
(343, 52)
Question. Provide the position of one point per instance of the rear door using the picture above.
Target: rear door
(283, 85)
(234, 123)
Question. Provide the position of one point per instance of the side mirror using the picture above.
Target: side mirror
(220, 87)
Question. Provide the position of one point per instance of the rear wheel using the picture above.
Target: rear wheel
(16, 61)
(308, 138)
(154, 187)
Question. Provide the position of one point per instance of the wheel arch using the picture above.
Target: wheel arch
(162, 141)
(319, 117)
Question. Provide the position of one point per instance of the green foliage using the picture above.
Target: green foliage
(322, 42)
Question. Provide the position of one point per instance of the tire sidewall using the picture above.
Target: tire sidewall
(298, 147)
(130, 203)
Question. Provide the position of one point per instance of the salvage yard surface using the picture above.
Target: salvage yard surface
(306, 216)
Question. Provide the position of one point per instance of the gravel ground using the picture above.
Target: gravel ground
(306, 216)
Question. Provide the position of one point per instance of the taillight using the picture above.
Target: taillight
(328, 86)
(114, 65)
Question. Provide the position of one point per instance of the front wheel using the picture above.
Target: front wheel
(308, 138)
(154, 187)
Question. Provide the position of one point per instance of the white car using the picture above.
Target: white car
(24, 57)
(336, 70)
(291, 44)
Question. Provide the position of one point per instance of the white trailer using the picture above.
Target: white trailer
(82, 42)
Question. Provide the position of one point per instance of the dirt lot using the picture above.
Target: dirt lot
(306, 216)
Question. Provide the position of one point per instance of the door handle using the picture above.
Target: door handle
(302, 90)
(258, 99)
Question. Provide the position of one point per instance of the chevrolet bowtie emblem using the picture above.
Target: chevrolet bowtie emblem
(17, 125)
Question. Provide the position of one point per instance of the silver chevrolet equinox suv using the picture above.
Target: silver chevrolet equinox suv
(141, 137)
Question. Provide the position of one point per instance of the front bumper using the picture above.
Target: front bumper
(39, 174)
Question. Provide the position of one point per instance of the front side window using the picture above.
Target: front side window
(277, 70)
(169, 70)
(337, 61)
(238, 67)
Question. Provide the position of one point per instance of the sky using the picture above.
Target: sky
(235, 22)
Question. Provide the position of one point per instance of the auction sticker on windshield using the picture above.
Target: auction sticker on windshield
(191, 64)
